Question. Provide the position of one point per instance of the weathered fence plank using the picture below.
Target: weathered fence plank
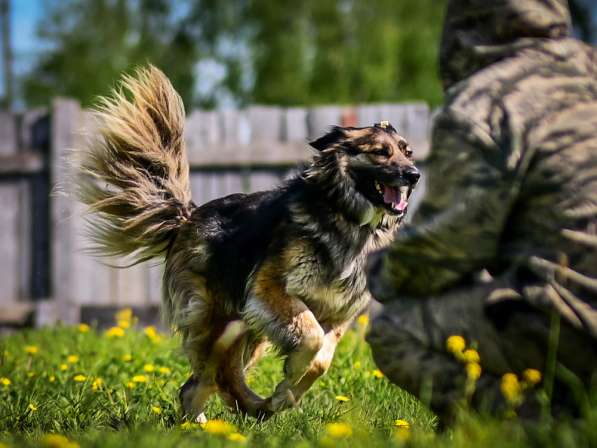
(25, 162)
(202, 130)
(10, 232)
(28, 120)
(66, 125)
(154, 282)
(367, 115)
(24, 238)
(8, 133)
(263, 180)
(91, 278)
(294, 125)
(418, 125)
(131, 285)
(235, 127)
(319, 120)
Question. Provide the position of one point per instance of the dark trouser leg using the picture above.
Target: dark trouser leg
(408, 340)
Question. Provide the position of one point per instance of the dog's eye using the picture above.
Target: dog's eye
(404, 148)
(381, 152)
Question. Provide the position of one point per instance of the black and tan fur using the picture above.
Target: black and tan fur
(283, 267)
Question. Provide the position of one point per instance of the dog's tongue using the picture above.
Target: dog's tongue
(394, 197)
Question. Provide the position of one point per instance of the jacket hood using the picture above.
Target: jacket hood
(479, 32)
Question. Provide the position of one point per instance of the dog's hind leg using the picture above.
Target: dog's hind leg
(193, 395)
(202, 384)
(231, 377)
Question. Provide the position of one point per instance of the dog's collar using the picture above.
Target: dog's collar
(371, 217)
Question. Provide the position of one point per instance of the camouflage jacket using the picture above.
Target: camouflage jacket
(512, 177)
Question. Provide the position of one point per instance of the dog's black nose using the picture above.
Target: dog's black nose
(412, 175)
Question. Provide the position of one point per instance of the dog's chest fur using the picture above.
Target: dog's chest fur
(333, 290)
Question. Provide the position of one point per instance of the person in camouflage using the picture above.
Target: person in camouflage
(503, 249)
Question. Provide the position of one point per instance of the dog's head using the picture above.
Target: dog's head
(378, 160)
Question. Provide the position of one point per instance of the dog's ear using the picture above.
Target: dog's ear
(334, 136)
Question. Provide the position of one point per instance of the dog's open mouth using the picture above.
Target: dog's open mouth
(395, 198)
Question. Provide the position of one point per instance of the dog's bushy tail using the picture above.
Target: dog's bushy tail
(134, 176)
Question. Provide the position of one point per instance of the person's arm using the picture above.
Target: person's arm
(458, 225)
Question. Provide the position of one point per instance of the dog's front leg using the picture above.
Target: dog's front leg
(322, 361)
(292, 327)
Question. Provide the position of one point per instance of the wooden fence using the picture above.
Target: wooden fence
(45, 272)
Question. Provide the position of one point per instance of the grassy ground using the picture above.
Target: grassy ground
(119, 388)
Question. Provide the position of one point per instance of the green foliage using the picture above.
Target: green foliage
(286, 53)
(89, 44)
(328, 51)
(46, 395)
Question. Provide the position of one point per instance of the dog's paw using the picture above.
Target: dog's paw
(201, 419)
(281, 399)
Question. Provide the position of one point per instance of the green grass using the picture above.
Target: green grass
(43, 398)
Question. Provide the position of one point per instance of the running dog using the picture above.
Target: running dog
(283, 267)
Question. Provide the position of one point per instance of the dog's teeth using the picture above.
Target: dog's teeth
(404, 193)
(378, 186)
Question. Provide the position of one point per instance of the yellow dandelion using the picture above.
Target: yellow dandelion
(471, 356)
(130, 385)
(357, 365)
(399, 423)
(57, 441)
(84, 328)
(63, 367)
(338, 430)
(152, 333)
(342, 398)
(532, 376)
(139, 379)
(32, 407)
(363, 320)
(114, 332)
(510, 387)
(455, 344)
(156, 410)
(219, 427)
(79, 378)
(236, 437)
(5, 381)
(124, 324)
(51, 378)
(31, 349)
(71, 359)
(165, 370)
(97, 384)
(148, 368)
(402, 429)
(377, 373)
(127, 358)
(190, 425)
(124, 315)
(473, 371)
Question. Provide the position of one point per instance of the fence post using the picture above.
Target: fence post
(66, 116)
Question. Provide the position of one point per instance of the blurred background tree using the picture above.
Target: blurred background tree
(236, 52)
(323, 51)
(90, 43)
(288, 53)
